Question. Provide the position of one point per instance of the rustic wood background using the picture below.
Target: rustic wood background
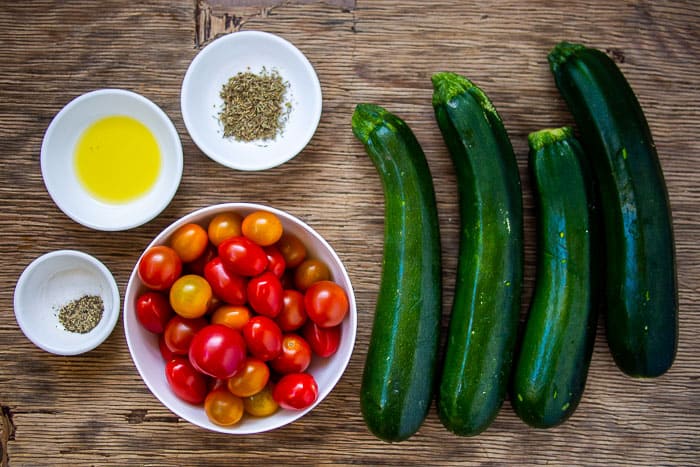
(95, 410)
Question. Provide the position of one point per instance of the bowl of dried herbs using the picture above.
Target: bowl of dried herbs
(251, 100)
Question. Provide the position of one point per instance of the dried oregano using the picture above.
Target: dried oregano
(254, 105)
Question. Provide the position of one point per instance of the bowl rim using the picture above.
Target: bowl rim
(111, 315)
(228, 40)
(172, 135)
(213, 210)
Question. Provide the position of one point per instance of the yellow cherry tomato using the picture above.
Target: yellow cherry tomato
(223, 408)
(261, 404)
(223, 226)
(190, 296)
(262, 227)
(310, 271)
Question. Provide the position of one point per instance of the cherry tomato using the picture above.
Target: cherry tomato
(292, 316)
(224, 226)
(153, 311)
(292, 249)
(263, 338)
(197, 266)
(296, 391)
(262, 227)
(310, 271)
(229, 287)
(250, 379)
(326, 303)
(242, 256)
(189, 242)
(295, 356)
(261, 404)
(186, 382)
(179, 332)
(265, 294)
(164, 350)
(233, 316)
(223, 408)
(324, 342)
(217, 351)
(275, 261)
(159, 267)
(190, 296)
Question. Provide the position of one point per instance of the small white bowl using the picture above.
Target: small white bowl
(51, 281)
(240, 52)
(57, 160)
(146, 355)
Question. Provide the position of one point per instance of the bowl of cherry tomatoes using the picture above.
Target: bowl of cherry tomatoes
(240, 318)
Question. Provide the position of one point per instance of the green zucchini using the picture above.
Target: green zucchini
(397, 382)
(641, 284)
(552, 366)
(486, 308)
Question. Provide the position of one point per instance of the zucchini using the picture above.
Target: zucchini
(551, 369)
(641, 284)
(397, 382)
(486, 308)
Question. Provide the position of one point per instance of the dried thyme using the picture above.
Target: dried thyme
(81, 315)
(254, 107)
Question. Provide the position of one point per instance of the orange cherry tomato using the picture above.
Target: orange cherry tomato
(223, 226)
(261, 404)
(189, 242)
(310, 271)
(250, 379)
(262, 227)
(233, 316)
(223, 408)
(292, 249)
(190, 296)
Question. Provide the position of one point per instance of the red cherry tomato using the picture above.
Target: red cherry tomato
(180, 331)
(164, 350)
(275, 261)
(229, 287)
(310, 271)
(296, 391)
(292, 249)
(263, 227)
(242, 256)
(265, 294)
(292, 316)
(189, 241)
(324, 342)
(153, 311)
(159, 267)
(326, 303)
(295, 356)
(197, 266)
(263, 338)
(186, 382)
(218, 351)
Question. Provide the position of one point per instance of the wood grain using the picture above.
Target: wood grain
(95, 410)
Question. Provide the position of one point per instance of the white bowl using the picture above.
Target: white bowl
(240, 52)
(51, 281)
(57, 160)
(146, 355)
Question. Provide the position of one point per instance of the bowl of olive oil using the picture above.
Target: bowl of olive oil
(111, 159)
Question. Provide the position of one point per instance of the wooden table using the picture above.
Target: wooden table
(95, 410)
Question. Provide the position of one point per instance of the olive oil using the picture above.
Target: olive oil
(117, 159)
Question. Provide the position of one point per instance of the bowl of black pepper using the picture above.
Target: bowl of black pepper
(66, 302)
(251, 100)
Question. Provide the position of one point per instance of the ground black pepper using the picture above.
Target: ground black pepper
(81, 315)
